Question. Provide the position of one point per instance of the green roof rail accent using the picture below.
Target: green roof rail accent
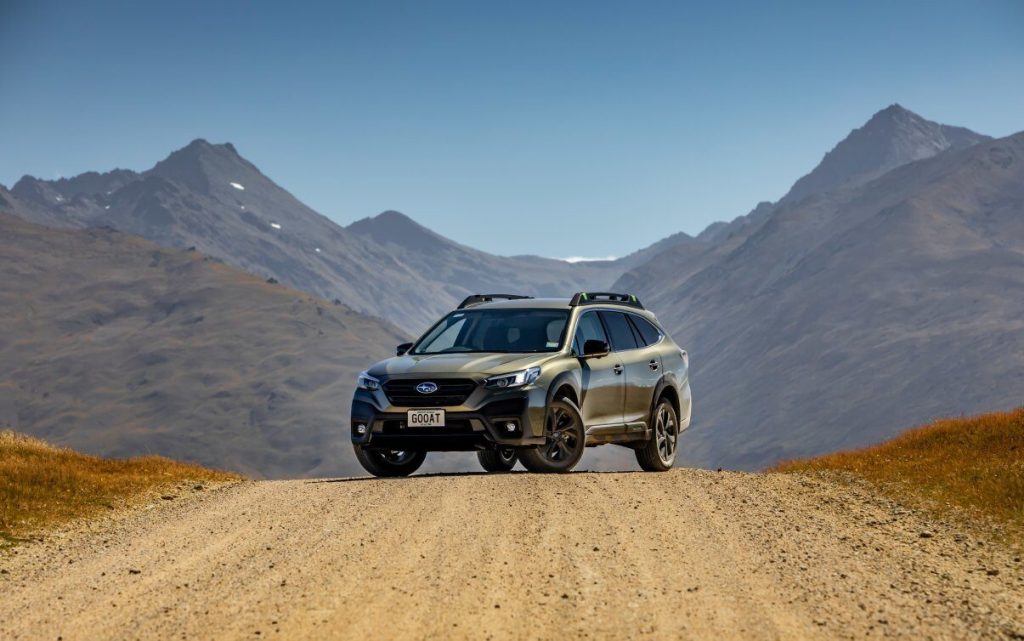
(605, 298)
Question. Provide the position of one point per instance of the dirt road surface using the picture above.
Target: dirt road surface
(683, 555)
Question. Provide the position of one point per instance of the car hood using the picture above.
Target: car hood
(454, 364)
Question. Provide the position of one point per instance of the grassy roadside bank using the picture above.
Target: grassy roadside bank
(42, 486)
(971, 468)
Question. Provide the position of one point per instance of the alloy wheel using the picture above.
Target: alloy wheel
(562, 435)
(666, 435)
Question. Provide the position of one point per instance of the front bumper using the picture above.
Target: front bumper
(480, 423)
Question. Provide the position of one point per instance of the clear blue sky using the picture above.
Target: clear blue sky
(555, 128)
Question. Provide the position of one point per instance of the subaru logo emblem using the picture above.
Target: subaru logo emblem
(426, 388)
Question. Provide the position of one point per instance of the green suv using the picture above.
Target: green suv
(526, 379)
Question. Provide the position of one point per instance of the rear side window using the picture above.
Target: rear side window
(588, 328)
(619, 331)
(648, 333)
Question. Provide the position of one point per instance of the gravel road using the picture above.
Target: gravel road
(682, 555)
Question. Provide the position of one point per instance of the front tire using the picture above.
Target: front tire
(502, 459)
(659, 453)
(389, 463)
(566, 438)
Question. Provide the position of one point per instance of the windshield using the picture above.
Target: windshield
(496, 330)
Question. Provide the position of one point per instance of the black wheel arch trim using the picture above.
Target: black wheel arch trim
(565, 379)
(666, 382)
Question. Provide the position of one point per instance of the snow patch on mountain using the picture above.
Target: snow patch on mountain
(586, 259)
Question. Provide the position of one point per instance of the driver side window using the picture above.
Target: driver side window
(588, 328)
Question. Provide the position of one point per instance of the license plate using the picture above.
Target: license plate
(425, 418)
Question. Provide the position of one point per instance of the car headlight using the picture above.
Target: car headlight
(367, 382)
(513, 379)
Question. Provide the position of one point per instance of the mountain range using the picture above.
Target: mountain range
(880, 291)
(209, 197)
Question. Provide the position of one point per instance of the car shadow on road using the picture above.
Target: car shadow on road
(414, 477)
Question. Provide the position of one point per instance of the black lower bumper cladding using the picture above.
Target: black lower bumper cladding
(503, 424)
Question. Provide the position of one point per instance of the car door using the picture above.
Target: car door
(602, 385)
(641, 368)
(650, 339)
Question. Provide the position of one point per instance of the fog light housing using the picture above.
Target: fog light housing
(511, 427)
(360, 428)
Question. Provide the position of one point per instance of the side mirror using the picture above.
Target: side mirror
(402, 349)
(595, 349)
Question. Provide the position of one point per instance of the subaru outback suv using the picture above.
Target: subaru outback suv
(526, 379)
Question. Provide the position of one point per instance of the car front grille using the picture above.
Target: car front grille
(450, 391)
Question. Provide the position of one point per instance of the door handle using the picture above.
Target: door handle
(617, 369)
(653, 364)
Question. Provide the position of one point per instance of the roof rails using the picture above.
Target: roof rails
(605, 298)
(476, 299)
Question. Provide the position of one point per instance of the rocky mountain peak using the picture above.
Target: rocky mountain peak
(200, 164)
(895, 111)
(392, 217)
(35, 190)
(200, 150)
(892, 137)
(395, 227)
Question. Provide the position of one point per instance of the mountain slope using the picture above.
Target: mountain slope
(891, 138)
(641, 256)
(209, 197)
(847, 315)
(465, 270)
(115, 346)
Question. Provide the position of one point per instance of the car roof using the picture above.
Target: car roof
(524, 303)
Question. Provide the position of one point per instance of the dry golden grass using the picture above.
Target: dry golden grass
(42, 485)
(971, 466)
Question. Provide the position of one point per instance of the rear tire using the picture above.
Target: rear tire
(389, 463)
(502, 459)
(566, 439)
(659, 453)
